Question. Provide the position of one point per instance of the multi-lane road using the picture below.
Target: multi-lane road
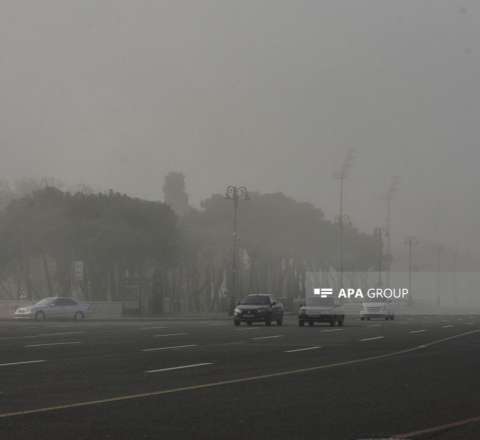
(206, 379)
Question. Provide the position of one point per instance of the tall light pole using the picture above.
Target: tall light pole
(378, 234)
(439, 251)
(235, 193)
(410, 242)
(392, 189)
(341, 176)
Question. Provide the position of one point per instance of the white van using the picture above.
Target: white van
(380, 310)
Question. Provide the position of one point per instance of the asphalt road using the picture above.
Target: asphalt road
(210, 380)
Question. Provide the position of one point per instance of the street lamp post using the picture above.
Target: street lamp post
(410, 242)
(235, 193)
(378, 234)
(392, 189)
(341, 176)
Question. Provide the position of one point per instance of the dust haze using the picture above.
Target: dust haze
(270, 94)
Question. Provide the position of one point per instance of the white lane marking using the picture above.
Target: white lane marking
(416, 331)
(374, 338)
(41, 335)
(435, 429)
(303, 349)
(374, 325)
(152, 328)
(447, 326)
(11, 364)
(50, 344)
(181, 367)
(231, 381)
(169, 334)
(258, 338)
(333, 330)
(169, 348)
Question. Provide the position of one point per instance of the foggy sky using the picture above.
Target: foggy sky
(268, 94)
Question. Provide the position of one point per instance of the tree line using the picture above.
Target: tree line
(167, 256)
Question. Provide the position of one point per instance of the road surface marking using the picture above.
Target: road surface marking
(374, 325)
(203, 386)
(41, 335)
(181, 367)
(258, 338)
(416, 331)
(302, 349)
(247, 328)
(152, 328)
(435, 429)
(333, 330)
(21, 363)
(50, 344)
(169, 334)
(447, 326)
(374, 338)
(169, 348)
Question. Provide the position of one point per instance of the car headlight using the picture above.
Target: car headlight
(237, 311)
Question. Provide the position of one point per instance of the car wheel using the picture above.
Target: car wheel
(310, 323)
(392, 317)
(340, 322)
(40, 316)
(301, 323)
(332, 323)
(268, 323)
(368, 319)
(280, 321)
(362, 318)
(236, 322)
(249, 323)
(79, 316)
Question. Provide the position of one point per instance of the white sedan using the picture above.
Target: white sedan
(377, 310)
(53, 308)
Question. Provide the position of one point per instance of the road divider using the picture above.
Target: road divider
(153, 328)
(51, 344)
(260, 338)
(12, 364)
(180, 367)
(374, 338)
(175, 347)
(296, 350)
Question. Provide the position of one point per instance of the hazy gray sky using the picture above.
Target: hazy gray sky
(269, 94)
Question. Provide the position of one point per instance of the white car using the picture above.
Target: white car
(378, 310)
(53, 308)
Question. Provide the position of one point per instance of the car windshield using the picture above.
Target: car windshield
(255, 300)
(45, 301)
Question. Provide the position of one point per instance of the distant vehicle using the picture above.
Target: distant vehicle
(322, 312)
(378, 310)
(258, 308)
(53, 308)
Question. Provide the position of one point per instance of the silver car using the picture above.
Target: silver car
(54, 308)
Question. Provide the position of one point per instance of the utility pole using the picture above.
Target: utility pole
(410, 242)
(235, 193)
(341, 176)
(392, 189)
